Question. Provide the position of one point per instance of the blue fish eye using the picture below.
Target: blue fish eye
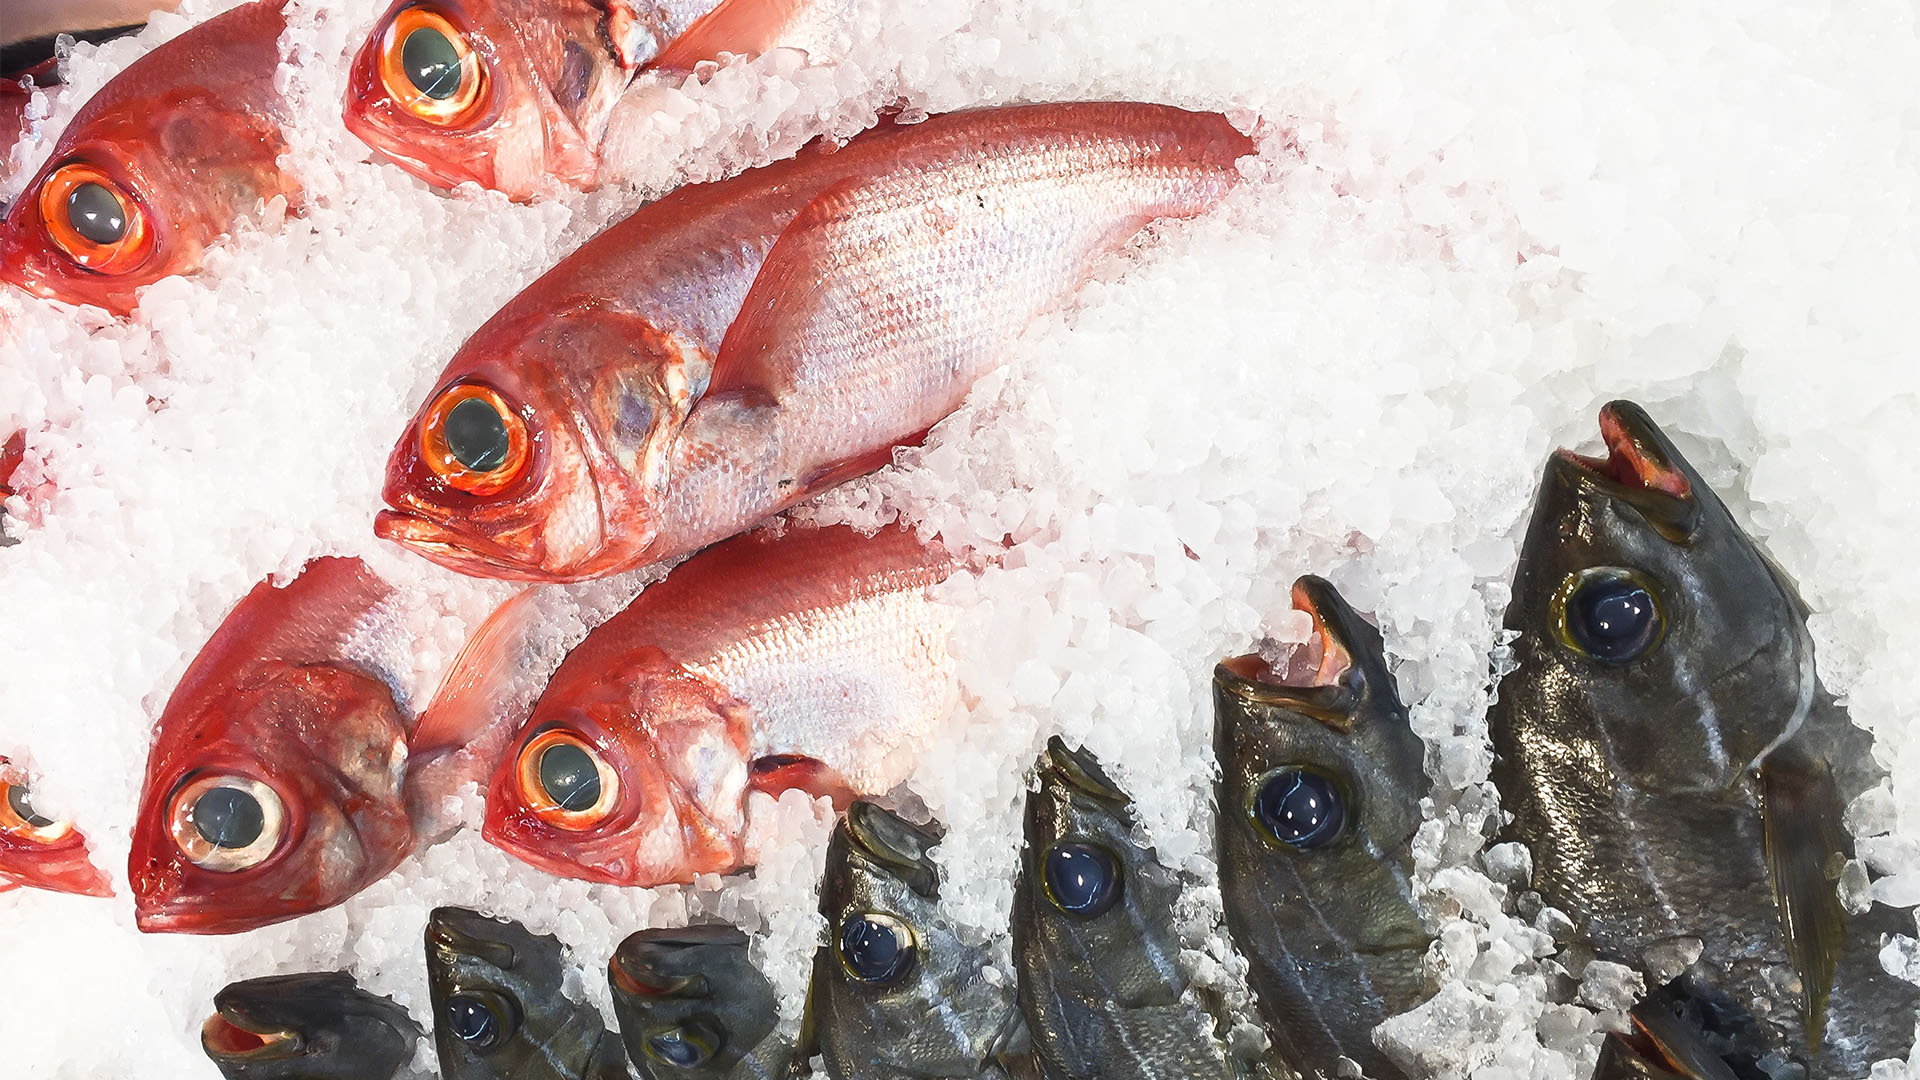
(472, 1021)
(1610, 615)
(1082, 879)
(684, 1047)
(1300, 808)
(228, 817)
(875, 949)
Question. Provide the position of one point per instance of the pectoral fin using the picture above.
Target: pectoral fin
(1806, 848)
(776, 773)
(743, 27)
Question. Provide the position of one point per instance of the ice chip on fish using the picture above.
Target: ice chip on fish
(1094, 943)
(810, 659)
(735, 347)
(691, 1004)
(1318, 801)
(310, 1026)
(38, 850)
(1671, 761)
(156, 165)
(499, 1012)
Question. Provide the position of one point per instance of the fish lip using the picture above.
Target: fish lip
(460, 552)
(453, 931)
(1080, 771)
(1352, 665)
(217, 1035)
(633, 968)
(1642, 469)
(894, 845)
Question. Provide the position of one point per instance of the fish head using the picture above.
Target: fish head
(543, 454)
(638, 778)
(488, 91)
(498, 1008)
(1319, 798)
(1649, 622)
(38, 850)
(896, 991)
(280, 796)
(158, 164)
(310, 1026)
(690, 1001)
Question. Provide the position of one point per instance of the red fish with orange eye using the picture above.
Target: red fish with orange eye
(813, 660)
(156, 166)
(39, 851)
(504, 93)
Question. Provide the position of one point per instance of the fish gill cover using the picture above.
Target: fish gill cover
(1466, 230)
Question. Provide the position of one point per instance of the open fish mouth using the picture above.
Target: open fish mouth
(1641, 469)
(894, 846)
(1312, 678)
(232, 1037)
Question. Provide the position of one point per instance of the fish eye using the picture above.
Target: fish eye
(473, 440)
(429, 68)
(92, 220)
(19, 819)
(227, 823)
(1607, 613)
(684, 1046)
(566, 782)
(481, 1019)
(876, 949)
(1082, 879)
(1300, 808)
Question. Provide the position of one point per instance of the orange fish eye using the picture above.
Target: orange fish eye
(226, 823)
(566, 782)
(93, 220)
(428, 67)
(19, 820)
(473, 440)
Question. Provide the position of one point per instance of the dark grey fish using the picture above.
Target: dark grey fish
(691, 1004)
(1319, 797)
(499, 1013)
(1672, 762)
(313, 1026)
(896, 993)
(1093, 940)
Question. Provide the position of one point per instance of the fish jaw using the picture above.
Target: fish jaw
(311, 1026)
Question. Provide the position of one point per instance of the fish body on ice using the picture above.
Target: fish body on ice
(693, 1007)
(812, 659)
(896, 993)
(310, 1026)
(155, 166)
(40, 851)
(1094, 944)
(1670, 759)
(498, 1006)
(504, 93)
(1318, 802)
(731, 349)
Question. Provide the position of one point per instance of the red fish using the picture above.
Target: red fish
(39, 851)
(735, 347)
(283, 779)
(155, 166)
(813, 660)
(504, 92)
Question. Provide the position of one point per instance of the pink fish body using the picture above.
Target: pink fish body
(814, 659)
(736, 347)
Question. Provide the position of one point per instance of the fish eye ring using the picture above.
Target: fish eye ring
(1607, 613)
(875, 948)
(684, 1046)
(473, 440)
(92, 219)
(227, 823)
(19, 820)
(1298, 807)
(482, 1019)
(430, 69)
(560, 759)
(1081, 878)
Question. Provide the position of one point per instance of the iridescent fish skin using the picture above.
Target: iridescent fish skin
(1094, 944)
(499, 1013)
(933, 1014)
(39, 851)
(1322, 907)
(178, 145)
(692, 1005)
(673, 382)
(311, 1026)
(813, 659)
(1671, 760)
(273, 788)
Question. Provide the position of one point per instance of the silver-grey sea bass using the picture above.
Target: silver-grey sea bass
(1678, 773)
(1319, 798)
